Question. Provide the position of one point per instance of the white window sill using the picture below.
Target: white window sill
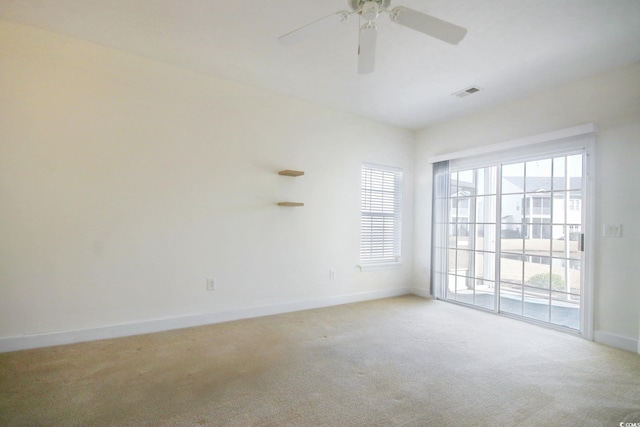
(380, 266)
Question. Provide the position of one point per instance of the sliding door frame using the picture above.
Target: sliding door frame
(579, 139)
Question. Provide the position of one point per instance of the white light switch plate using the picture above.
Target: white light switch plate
(612, 230)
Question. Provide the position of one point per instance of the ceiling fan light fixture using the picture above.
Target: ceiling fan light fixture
(370, 11)
(355, 5)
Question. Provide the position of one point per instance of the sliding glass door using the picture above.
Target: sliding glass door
(515, 238)
(472, 242)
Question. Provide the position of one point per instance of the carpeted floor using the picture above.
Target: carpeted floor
(396, 362)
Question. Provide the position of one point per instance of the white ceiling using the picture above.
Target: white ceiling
(513, 48)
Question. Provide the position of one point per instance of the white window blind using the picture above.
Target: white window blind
(380, 224)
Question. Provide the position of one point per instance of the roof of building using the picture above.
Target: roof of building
(535, 184)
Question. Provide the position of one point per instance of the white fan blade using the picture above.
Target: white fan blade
(367, 48)
(313, 28)
(429, 25)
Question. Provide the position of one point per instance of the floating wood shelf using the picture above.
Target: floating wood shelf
(290, 173)
(290, 204)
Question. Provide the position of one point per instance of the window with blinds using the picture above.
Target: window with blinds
(380, 219)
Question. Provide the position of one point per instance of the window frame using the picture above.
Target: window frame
(380, 214)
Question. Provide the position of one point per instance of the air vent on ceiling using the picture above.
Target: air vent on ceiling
(466, 92)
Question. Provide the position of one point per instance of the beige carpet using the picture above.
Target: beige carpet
(395, 362)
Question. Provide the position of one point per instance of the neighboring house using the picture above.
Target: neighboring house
(461, 203)
(540, 212)
(537, 214)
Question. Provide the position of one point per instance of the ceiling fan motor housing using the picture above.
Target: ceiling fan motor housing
(357, 4)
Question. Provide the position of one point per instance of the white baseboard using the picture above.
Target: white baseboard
(613, 340)
(26, 342)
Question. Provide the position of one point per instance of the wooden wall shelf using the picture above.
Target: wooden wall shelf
(290, 173)
(290, 204)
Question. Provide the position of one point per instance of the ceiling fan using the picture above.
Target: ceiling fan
(369, 11)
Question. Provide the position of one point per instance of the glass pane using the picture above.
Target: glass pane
(460, 205)
(486, 209)
(465, 189)
(574, 241)
(510, 243)
(451, 286)
(512, 208)
(575, 276)
(473, 234)
(485, 291)
(574, 208)
(470, 207)
(574, 172)
(566, 279)
(559, 173)
(566, 297)
(538, 174)
(539, 247)
(511, 269)
(511, 298)
(537, 205)
(559, 245)
(485, 266)
(537, 228)
(537, 274)
(465, 296)
(465, 178)
(513, 178)
(486, 180)
(464, 289)
(463, 262)
(452, 260)
(559, 207)
(486, 237)
(454, 184)
(453, 235)
(566, 312)
(462, 238)
(561, 276)
(536, 304)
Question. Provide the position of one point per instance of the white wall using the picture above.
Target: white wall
(610, 100)
(125, 183)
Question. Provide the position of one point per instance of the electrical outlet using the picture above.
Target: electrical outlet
(211, 284)
(332, 273)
